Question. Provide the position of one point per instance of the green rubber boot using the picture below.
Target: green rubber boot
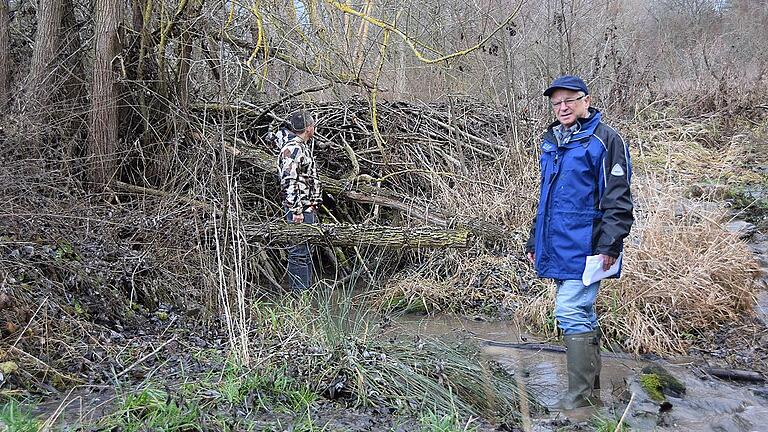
(582, 364)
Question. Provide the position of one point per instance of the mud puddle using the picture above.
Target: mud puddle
(709, 404)
(80, 405)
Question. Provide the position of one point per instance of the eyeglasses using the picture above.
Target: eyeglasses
(568, 102)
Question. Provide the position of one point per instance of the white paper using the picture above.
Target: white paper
(593, 269)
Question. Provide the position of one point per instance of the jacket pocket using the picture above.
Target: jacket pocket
(571, 238)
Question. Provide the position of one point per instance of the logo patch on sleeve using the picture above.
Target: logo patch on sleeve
(617, 170)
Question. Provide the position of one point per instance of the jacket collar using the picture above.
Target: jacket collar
(586, 129)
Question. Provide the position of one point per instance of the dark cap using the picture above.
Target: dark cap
(569, 82)
(299, 121)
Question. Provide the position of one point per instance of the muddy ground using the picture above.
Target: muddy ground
(170, 348)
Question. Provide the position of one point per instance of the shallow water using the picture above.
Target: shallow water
(709, 405)
(543, 372)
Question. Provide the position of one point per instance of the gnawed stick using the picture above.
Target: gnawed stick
(553, 348)
(735, 374)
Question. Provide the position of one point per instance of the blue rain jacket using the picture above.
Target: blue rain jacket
(585, 203)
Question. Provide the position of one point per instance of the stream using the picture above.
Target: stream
(709, 404)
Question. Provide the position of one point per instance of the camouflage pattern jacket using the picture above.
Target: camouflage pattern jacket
(298, 175)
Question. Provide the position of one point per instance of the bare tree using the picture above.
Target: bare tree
(103, 128)
(5, 47)
(47, 40)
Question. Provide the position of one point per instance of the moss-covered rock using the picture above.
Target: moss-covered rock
(659, 383)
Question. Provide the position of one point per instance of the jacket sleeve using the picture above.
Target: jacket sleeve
(290, 161)
(616, 199)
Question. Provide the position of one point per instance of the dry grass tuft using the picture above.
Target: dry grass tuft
(484, 283)
(684, 274)
(683, 154)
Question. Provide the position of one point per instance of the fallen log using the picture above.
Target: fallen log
(359, 235)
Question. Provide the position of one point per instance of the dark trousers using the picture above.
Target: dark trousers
(300, 258)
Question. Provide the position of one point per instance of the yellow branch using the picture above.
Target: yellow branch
(410, 41)
(143, 47)
(261, 44)
(147, 16)
(231, 16)
(362, 34)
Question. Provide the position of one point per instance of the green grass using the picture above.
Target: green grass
(399, 303)
(434, 422)
(604, 424)
(153, 409)
(17, 419)
(202, 401)
(265, 389)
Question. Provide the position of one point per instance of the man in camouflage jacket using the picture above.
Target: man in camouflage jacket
(301, 190)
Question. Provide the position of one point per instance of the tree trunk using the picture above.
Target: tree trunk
(5, 54)
(184, 82)
(73, 88)
(360, 235)
(103, 138)
(47, 40)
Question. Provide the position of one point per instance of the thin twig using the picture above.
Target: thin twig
(141, 360)
(626, 410)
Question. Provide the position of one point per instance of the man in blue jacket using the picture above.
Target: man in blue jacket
(585, 208)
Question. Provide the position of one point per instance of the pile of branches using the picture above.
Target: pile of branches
(405, 147)
(407, 176)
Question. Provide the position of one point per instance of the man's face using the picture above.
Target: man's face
(569, 105)
(310, 131)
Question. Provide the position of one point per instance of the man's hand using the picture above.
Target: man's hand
(297, 218)
(608, 261)
(531, 257)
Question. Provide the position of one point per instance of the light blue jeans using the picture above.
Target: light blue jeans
(300, 259)
(575, 306)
